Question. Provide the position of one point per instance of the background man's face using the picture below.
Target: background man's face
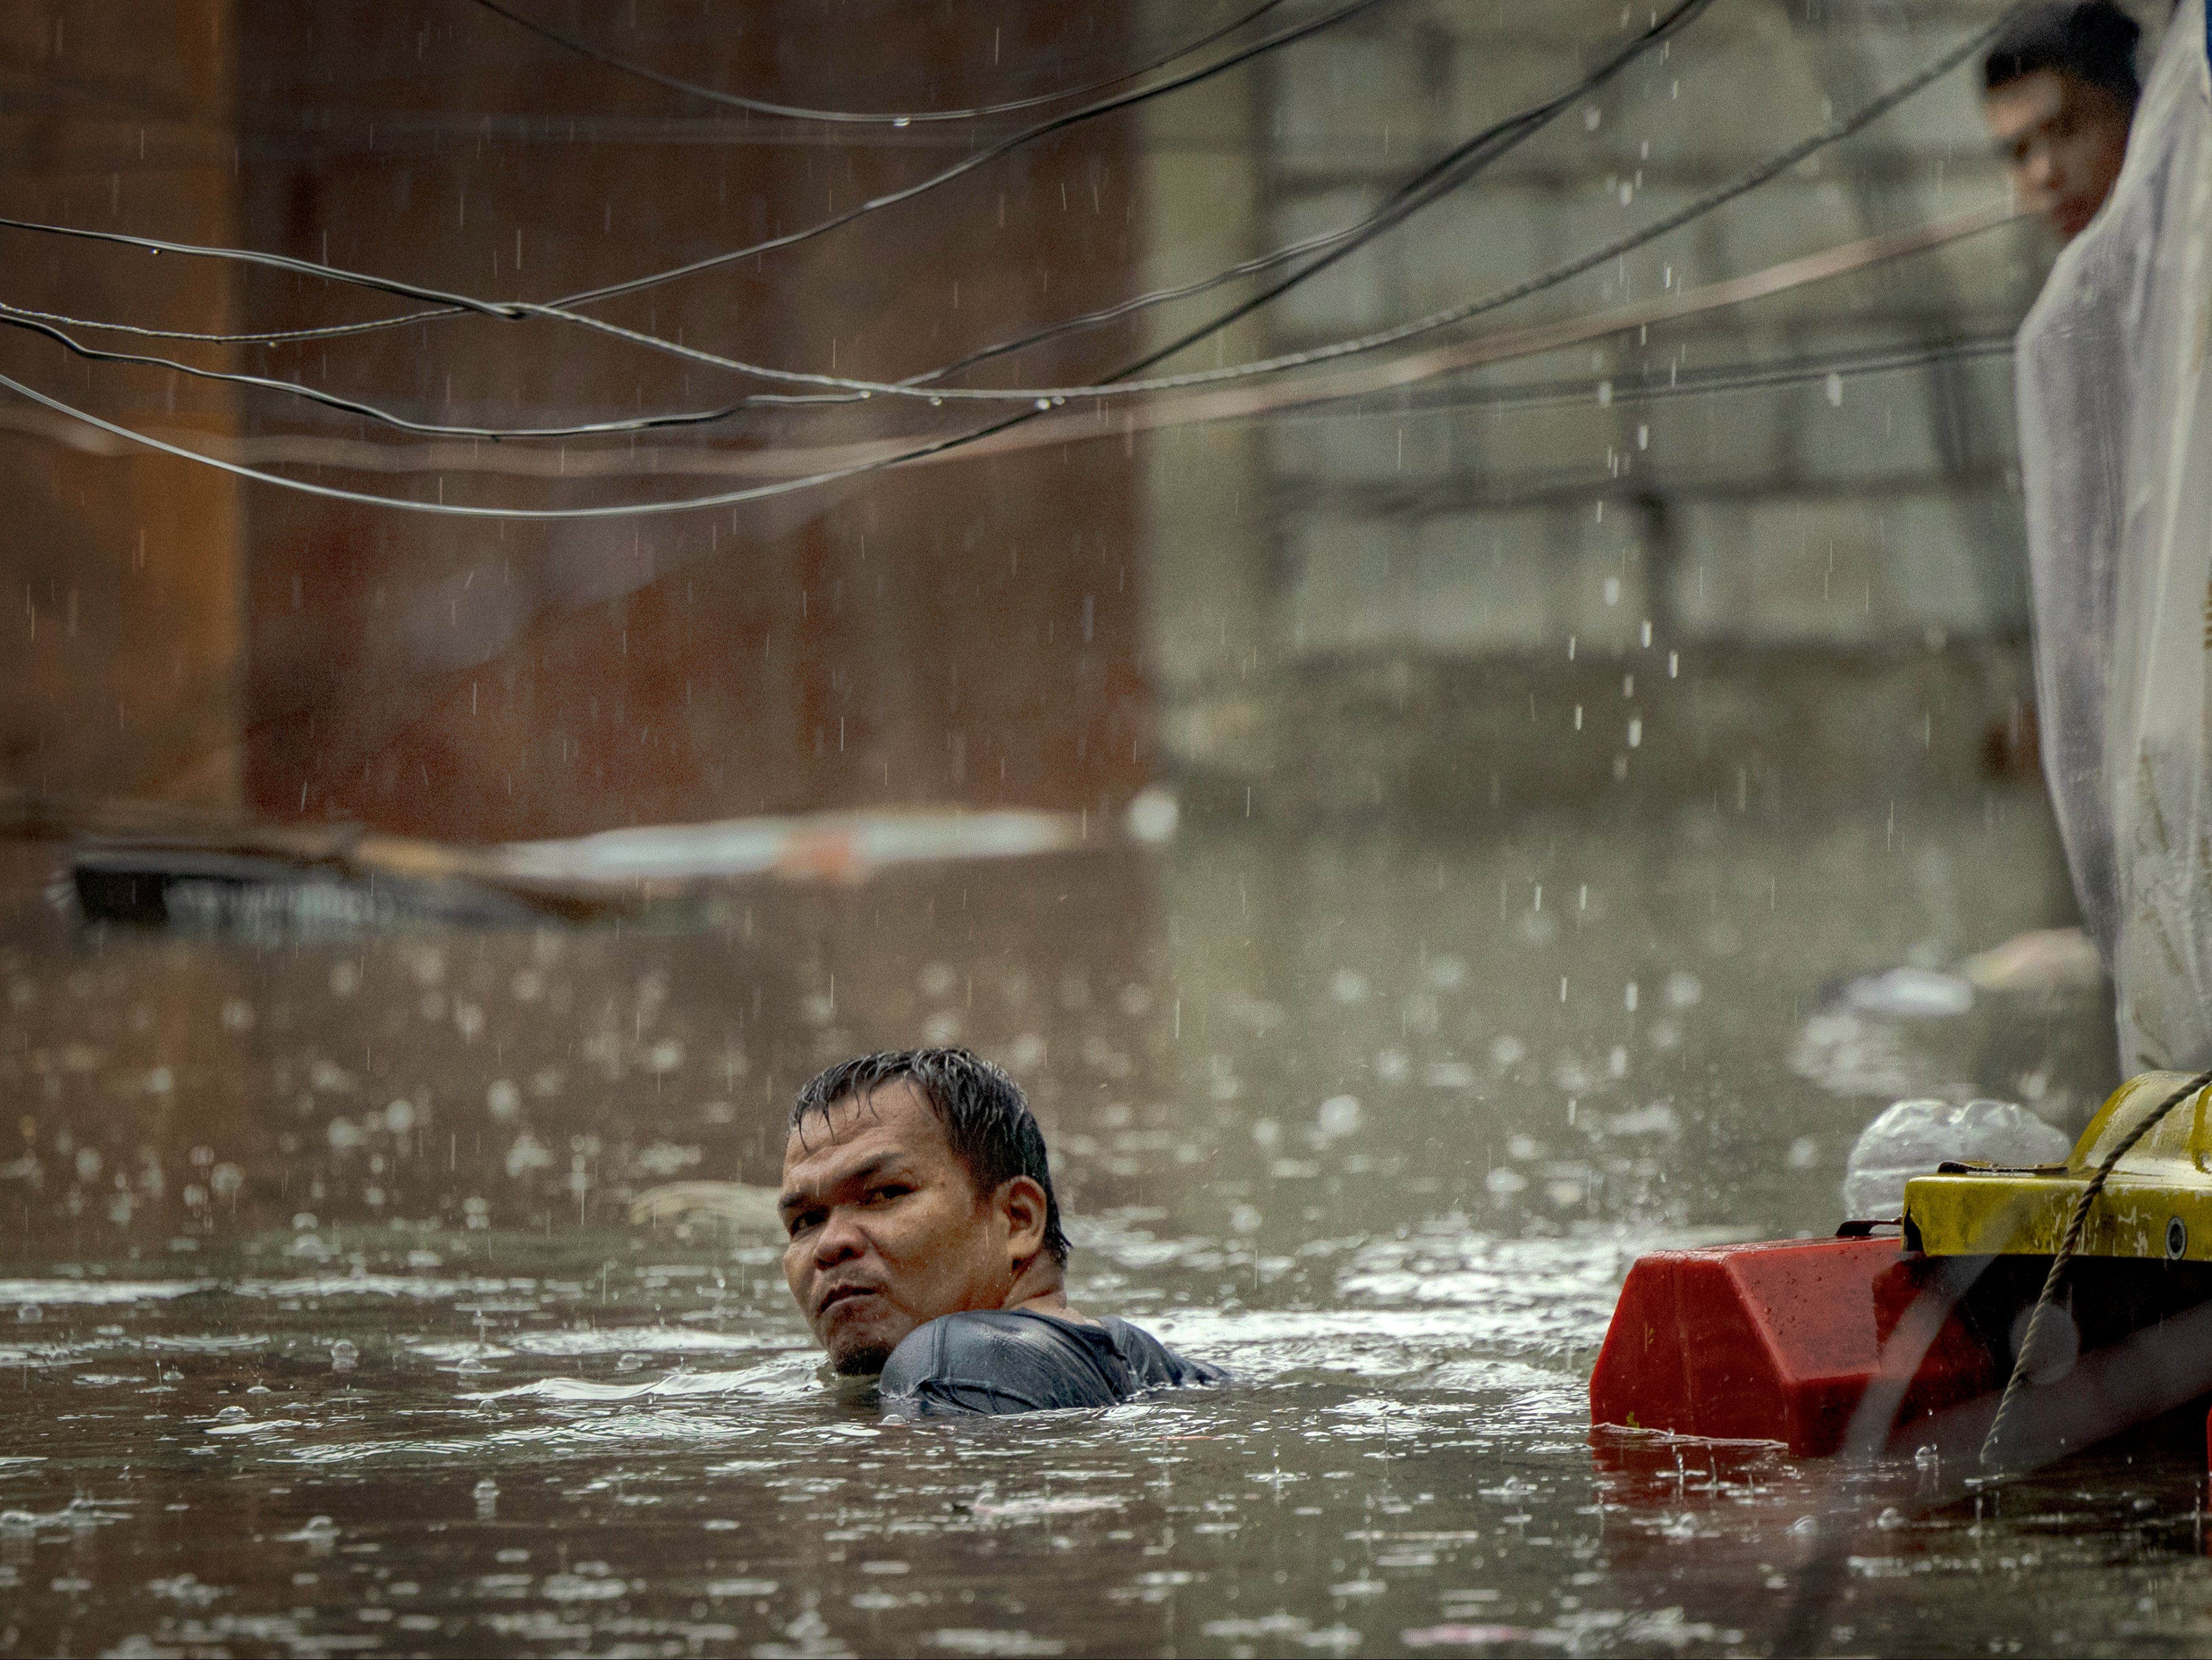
(2063, 140)
(887, 1230)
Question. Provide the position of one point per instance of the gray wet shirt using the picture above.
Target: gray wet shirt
(1013, 1360)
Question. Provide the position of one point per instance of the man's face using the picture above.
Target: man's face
(888, 1232)
(2063, 141)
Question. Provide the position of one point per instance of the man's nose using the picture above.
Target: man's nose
(839, 1240)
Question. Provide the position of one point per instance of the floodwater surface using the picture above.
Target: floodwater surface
(325, 1328)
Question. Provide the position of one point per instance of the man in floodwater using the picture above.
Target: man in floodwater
(2060, 93)
(925, 1245)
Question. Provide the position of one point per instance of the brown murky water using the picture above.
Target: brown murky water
(323, 1329)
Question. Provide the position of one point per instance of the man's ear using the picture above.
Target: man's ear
(1021, 1201)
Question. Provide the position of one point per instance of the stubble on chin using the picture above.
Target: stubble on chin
(864, 1361)
(858, 1346)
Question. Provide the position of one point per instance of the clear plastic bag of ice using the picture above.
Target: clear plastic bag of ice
(1913, 1137)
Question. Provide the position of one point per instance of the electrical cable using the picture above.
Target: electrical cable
(1070, 325)
(1792, 371)
(1671, 306)
(1396, 374)
(795, 113)
(263, 337)
(1797, 153)
(620, 510)
(1796, 373)
(990, 153)
(9, 317)
(1513, 129)
(448, 305)
(1120, 385)
(1425, 187)
(1393, 375)
(1835, 132)
(1759, 175)
(1430, 183)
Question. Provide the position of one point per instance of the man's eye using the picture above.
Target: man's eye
(804, 1220)
(891, 1190)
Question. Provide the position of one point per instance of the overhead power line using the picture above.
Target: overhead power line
(1429, 184)
(1426, 186)
(914, 117)
(1761, 376)
(1394, 373)
(462, 510)
(449, 305)
(1834, 132)
(988, 153)
(1323, 397)
(1393, 377)
(1791, 157)
(1114, 386)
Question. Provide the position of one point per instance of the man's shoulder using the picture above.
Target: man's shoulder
(1004, 1360)
(1154, 1365)
(996, 1360)
(977, 1333)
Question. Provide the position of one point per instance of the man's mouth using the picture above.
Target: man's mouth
(836, 1294)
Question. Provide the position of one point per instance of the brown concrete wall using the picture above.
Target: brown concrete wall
(965, 634)
(120, 634)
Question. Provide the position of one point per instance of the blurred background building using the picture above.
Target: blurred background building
(967, 634)
(1519, 585)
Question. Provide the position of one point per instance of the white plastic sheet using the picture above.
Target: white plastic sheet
(2116, 432)
(1913, 1137)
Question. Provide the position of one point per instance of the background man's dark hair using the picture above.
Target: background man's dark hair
(2094, 43)
(986, 1118)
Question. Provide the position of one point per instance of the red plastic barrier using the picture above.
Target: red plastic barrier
(1778, 1341)
(1774, 1341)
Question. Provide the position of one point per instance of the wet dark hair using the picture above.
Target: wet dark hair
(986, 1118)
(2094, 43)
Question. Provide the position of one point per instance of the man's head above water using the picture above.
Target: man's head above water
(914, 1186)
(2060, 91)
